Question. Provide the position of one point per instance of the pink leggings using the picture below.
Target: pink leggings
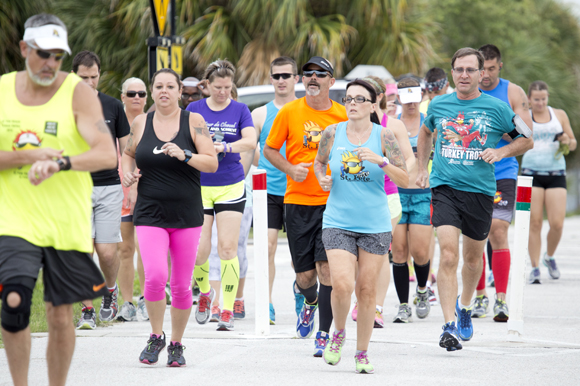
(154, 243)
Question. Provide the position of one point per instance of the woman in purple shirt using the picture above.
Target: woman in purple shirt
(223, 192)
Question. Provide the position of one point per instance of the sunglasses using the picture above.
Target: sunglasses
(283, 76)
(45, 54)
(319, 74)
(133, 94)
(191, 96)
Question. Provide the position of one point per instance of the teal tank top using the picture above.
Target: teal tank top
(357, 200)
(275, 179)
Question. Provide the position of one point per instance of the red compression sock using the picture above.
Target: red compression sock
(500, 264)
(481, 284)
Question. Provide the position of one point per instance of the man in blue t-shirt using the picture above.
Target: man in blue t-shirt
(469, 125)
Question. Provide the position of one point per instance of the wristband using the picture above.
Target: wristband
(188, 155)
(64, 163)
(385, 162)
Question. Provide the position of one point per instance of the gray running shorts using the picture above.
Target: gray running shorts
(375, 243)
(214, 259)
(106, 216)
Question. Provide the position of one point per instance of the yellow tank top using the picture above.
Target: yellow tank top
(56, 213)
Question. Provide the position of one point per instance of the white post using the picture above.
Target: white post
(519, 256)
(261, 270)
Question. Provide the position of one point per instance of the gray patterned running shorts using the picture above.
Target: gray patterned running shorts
(375, 243)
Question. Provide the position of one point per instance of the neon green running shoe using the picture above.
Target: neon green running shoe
(363, 365)
(333, 350)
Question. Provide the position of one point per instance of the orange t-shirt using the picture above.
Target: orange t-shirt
(300, 126)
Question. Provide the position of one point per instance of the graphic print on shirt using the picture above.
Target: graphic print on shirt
(313, 135)
(352, 168)
(26, 140)
(464, 140)
(498, 199)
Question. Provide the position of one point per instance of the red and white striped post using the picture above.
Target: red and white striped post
(518, 264)
(261, 271)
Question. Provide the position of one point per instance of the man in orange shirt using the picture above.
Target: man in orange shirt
(300, 124)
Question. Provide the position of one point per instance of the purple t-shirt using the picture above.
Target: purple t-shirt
(230, 121)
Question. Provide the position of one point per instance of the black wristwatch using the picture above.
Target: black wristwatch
(187, 155)
(63, 163)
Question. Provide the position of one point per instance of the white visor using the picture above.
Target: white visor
(410, 94)
(190, 83)
(48, 37)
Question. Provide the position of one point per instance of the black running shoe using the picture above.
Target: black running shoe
(450, 338)
(150, 354)
(175, 357)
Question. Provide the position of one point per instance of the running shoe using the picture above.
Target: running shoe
(239, 309)
(535, 276)
(175, 357)
(354, 312)
(226, 322)
(552, 267)
(464, 325)
(128, 313)
(450, 338)
(298, 299)
(490, 280)
(109, 306)
(215, 314)
(195, 293)
(363, 365)
(305, 323)
(320, 343)
(333, 350)
(379, 323)
(203, 309)
(272, 315)
(404, 315)
(500, 311)
(150, 354)
(432, 297)
(168, 297)
(423, 306)
(142, 309)
(88, 320)
(480, 307)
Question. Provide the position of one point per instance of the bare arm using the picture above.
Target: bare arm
(397, 168)
(130, 176)
(123, 143)
(259, 117)
(248, 142)
(297, 172)
(568, 137)
(398, 128)
(519, 104)
(424, 144)
(206, 159)
(16, 159)
(322, 157)
(247, 160)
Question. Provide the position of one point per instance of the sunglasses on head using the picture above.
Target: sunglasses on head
(319, 74)
(133, 94)
(283, 76)
(42, 54)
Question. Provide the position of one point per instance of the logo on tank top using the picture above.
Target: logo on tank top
(352, 168)
(50, 127)
(26, 140)
(460, 140)
(157, 151)
(313, 135)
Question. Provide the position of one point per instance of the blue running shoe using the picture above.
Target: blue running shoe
(305, 323)
(320, 343)
(464, 325)
(272, 315)
(298, 298)
(449, 340)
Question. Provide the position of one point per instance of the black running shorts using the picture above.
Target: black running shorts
(68, 276)
(549, 182)
(468, 211)
(275, 212)
(504, 201)
(304, 229)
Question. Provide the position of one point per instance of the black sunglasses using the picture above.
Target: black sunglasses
(192, 96)
(45, 54)
(133, 94)
(283, 76)
(319, 74)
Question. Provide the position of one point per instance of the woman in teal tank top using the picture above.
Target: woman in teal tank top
(356, 223)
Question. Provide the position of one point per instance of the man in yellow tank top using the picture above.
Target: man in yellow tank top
(52, 134)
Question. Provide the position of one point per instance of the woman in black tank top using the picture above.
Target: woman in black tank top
(170, 147)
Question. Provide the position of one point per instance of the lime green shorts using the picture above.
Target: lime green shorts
(395, 205)
(221, 198)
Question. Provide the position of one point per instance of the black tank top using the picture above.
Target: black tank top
(169, 189)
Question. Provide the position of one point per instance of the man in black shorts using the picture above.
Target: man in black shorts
(469, 125)
(50, 123)
(107, 196)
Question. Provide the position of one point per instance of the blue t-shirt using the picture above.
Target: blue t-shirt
(275, 179)
(507, 168)
(230, 121)
(465, 128)
(357, 200)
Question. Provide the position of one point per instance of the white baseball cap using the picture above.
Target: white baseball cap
(48, 37)
(410, 94)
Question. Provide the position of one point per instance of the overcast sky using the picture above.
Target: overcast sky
(575, 5)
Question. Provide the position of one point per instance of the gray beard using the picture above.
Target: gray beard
(312, 92)
(37, 79)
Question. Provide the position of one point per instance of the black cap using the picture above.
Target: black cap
(321, 62)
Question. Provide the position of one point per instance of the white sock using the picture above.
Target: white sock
(242, 298)
(112, 289)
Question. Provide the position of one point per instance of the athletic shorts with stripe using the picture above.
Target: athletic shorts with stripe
(218, 199)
